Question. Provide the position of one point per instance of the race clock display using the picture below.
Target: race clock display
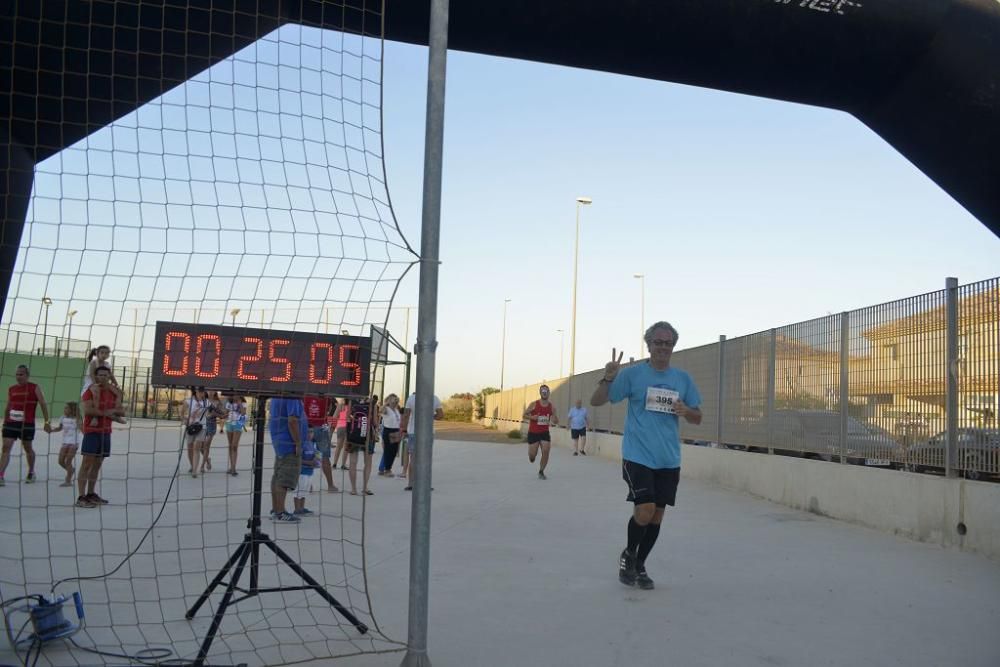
(260, 361)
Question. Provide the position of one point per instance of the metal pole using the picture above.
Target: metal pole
(642, 313)
(722, 391)
(135, 328)
(562, 346)
(845, 349)
(576, 260)
(503, 342)
(951, 414)
(771, 363)
(45, 330)
(69, 334)
(420, 521)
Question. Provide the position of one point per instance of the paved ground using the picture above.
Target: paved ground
(524, 573)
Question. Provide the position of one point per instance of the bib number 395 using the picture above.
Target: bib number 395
(661, 400)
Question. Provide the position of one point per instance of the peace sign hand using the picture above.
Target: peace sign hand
(612, 367)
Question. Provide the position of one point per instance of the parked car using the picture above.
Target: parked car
(978, 453)
(816, 434)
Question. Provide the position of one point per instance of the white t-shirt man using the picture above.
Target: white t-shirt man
(411, 405)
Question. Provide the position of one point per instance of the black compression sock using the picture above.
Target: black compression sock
(647, 542)
(635, 533)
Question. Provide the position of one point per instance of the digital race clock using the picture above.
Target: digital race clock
(260, 361)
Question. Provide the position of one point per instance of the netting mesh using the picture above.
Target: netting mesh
(253, 194)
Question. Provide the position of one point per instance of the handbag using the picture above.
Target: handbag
(196, 428)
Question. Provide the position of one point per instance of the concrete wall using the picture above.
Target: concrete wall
(922, 507)
(61, 378)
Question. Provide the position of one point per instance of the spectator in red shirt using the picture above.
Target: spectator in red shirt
(98, 413)
(316, 408)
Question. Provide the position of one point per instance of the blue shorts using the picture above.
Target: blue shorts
(233, 427)
(96, 444)
(321, 436)
(211, 429)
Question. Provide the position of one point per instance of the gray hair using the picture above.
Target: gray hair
(666, 326)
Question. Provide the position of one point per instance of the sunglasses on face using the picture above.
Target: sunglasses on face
(661, 343)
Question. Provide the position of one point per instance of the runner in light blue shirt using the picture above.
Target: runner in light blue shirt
(579, 422)
(658, 397)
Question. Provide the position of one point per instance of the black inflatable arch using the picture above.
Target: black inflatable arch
(923, 74)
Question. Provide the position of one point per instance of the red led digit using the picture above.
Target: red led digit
(242, 374)
(329, 363)
(168, 345)
(280, 360)
(350, 364)
(199, 346)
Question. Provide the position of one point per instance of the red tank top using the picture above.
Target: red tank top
(542, 414)
(22, 400)
(315, 407)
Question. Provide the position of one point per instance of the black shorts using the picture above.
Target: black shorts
(538, 437)
(19, 431)
(96, 444)
(355, 447)
(578, 433)
(651, 485)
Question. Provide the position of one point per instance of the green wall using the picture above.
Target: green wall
(60, 378)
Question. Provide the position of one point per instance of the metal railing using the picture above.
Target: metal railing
(33, 343)
(913, 384)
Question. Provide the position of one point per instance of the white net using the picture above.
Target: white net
(254, 194)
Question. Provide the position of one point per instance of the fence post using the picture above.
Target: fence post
(845, 349)
(722, 391)
(771, 370)
(951, 402)
(145, 394)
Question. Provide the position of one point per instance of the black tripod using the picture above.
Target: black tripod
(250, 549)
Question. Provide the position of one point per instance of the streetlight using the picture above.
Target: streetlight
(69, 332)
(562, 344)
(46, 301)
(580, 201)
(642, 311)
(233, 313)
(503, 342)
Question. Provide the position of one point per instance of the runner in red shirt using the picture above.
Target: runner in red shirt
(540, 414)
(19, 420)
(317, 408)
(98, 414)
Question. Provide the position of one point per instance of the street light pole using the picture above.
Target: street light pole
(46, 301)
(234, 312)
(562, 344)
(580, 201)
(503, 342)
(69, 332)
(642, 312)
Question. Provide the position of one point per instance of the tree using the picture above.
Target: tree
(480, 400)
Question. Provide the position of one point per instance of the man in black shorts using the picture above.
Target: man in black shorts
(658, 397)
(540, 414)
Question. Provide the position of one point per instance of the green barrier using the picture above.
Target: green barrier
(60, 378)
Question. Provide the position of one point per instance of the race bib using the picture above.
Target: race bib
(16, 415)
(661, 400)
(542, 420)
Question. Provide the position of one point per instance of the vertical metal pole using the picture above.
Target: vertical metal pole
(576, 261)
(845, 349)
(951, 401)
(503, 342)
(722, 391)
(420, 522)
(771, 363)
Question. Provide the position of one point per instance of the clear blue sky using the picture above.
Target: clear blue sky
(743, 213)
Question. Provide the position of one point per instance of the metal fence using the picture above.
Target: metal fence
(913, 383)
(33, 343)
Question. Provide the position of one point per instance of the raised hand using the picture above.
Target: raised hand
(612, 367)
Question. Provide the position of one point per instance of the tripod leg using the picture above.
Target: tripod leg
(218, 578)
(361, 627)
(244, 553)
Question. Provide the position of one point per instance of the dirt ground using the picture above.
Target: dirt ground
(471, 432)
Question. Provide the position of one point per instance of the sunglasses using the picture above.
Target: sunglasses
(661, 343)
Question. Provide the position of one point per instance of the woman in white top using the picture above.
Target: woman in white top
(236, 419)
(69, 424)
(390, 434)
(196, 412)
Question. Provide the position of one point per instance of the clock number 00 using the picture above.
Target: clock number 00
(179, 344)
